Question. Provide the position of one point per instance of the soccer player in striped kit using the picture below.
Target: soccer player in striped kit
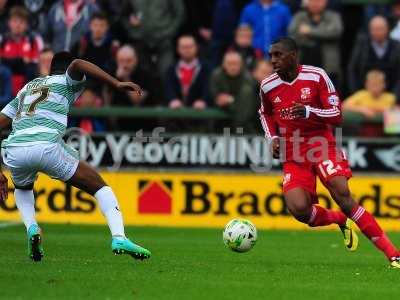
(39, 117)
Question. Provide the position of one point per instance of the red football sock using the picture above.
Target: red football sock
(321, 217)
(371, 229)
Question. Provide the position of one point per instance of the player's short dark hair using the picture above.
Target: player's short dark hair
(289, 43)
(99, 15)
(60, 62)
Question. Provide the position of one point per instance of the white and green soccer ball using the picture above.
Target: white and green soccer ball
(240, 235)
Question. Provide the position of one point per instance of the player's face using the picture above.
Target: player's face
(282, 60)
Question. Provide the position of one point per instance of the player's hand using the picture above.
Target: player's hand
(298, 111)
(3, 187)
(129, 87)
(275, 148)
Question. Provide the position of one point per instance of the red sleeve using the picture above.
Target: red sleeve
(266, 116)
(331, 111)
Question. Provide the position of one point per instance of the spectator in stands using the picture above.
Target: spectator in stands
(377, 51)
(67, 22)
(45, 61)
(186, 82)
(3, 16)
(232, 90)
(128, 69)
(38, 10)
(151, 26)
(395, 18)
(225, 17)
(198, 19)
(115, 11)
(269, 20)
(317, 31)
(89, 99)
(19, 48)
(262, 70)
(5, 85)
(373, 100)
(98, 45)
(243, 45)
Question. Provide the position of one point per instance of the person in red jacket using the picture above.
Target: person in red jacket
(20, 49)
(299, 107)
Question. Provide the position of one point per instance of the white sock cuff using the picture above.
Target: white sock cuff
(105, 190)
(108, 204)
(25, 201)
(313, 215)
(23, 191)
(358, 214)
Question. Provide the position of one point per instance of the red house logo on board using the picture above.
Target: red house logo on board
(155, 197)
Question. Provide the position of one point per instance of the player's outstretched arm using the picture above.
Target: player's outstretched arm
(79, 67)
(329, 115)
(4, 123)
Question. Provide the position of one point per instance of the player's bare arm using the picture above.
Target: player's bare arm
(79, 67)
(275, 147)
(4, 122)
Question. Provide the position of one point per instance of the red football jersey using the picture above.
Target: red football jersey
(312, 88)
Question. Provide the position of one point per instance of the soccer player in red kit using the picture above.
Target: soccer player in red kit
(299, 107)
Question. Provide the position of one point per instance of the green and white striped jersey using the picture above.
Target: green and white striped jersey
(39, 113)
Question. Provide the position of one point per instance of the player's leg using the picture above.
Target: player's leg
(340, 192)
(61, 162)
(298, 202)
(25, 202)
(23, 177)
(87, 179)
(299, 187)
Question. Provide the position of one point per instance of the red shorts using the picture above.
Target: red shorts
(304, 174)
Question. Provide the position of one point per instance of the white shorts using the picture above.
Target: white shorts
(57, 160)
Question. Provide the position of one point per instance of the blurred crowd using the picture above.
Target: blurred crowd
(201, 53)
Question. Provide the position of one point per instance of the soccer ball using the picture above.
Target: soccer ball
(240, 235)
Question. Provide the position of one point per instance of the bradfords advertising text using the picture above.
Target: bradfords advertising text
(199, 200)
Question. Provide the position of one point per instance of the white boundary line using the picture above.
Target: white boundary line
(9, 224)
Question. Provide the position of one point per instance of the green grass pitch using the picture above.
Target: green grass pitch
(193, 264)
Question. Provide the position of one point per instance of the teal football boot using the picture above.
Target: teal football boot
(35, 249)
(122, 245)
